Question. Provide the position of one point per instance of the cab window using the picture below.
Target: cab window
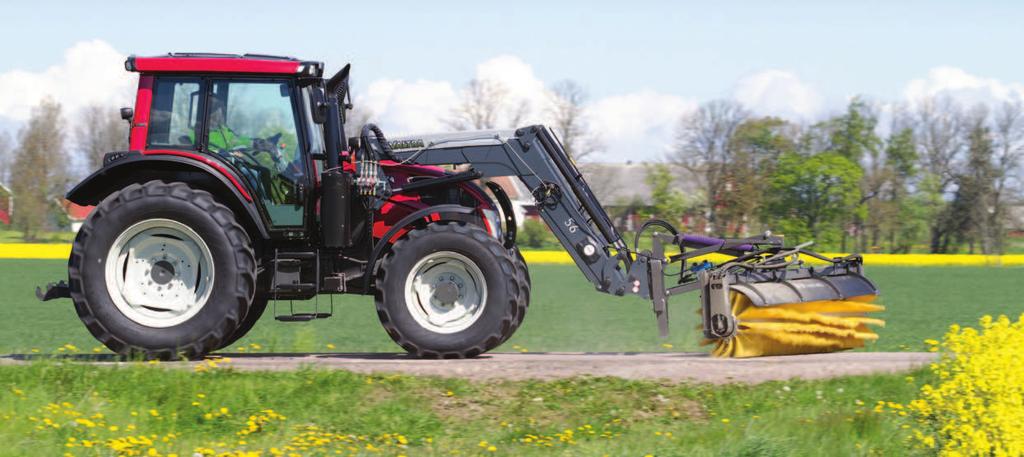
(252, 125)
(174, 112)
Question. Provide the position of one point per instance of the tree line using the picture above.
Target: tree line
(46, 156)
(944, 176)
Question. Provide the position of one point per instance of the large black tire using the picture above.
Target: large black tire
(259, 305)
(499, 276)
(525, 286)
(233, 283)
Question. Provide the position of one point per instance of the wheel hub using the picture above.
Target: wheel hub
(159, 273)
(162, 272)
(445, 292)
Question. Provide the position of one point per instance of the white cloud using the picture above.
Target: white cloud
(92, 72)
(402, 107)
(523, 88)
(778, 93)
(635, 126)
(962, 86)
(638, 126)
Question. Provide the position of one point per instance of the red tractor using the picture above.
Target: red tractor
(242, 186)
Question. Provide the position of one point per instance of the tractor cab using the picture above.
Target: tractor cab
(251, 114)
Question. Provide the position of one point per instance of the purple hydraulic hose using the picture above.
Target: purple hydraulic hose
(701, 241)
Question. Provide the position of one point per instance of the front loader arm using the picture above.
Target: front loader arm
(565, 201)
(762, 271)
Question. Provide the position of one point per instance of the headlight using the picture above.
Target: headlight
(493, 222)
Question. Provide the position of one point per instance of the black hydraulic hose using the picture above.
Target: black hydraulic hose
(379, 136)
(652, 222)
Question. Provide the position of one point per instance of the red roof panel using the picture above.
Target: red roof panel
(214, 63)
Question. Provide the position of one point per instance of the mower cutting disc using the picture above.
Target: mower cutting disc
(798, 328)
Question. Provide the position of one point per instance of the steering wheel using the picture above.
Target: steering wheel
(247, 154)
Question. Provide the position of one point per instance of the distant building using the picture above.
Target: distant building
(1016, 222)
(623, 190)
(6, 204)
(76, 213)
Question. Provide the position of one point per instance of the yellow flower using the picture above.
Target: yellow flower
(974, 409)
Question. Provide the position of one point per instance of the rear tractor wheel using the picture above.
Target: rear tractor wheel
(161, 271)
(448, 291)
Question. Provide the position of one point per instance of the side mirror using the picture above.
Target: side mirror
(127, 114)
(318, 106)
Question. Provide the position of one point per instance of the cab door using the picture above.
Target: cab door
(254, 125)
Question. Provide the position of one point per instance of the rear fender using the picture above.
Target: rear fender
(121, 169)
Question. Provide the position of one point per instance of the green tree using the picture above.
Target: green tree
(536, 234)
(667, 202)
(39, 169)
(902, 213)
(757, 144)
(810, 197)
(975, 191)
(703, 146)
(852, 135)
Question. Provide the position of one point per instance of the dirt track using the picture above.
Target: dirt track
(674, 367)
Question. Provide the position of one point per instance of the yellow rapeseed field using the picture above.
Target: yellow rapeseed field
(62, 251)
(977, 405)
(910, 260)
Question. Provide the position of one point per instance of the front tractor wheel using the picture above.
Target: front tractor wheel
(448, 291)
(161, 271)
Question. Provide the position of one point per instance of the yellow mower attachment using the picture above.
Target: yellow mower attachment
(781, 307)
(797, 328)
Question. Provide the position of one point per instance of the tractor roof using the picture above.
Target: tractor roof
(193, 62)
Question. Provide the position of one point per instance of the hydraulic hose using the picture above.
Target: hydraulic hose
(652, 222)
(378, 134)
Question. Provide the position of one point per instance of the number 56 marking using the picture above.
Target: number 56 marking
(571, 224)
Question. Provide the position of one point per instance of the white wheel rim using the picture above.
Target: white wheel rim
(159, 273)
(445, 292)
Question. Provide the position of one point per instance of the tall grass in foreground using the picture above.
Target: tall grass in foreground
(51, 408)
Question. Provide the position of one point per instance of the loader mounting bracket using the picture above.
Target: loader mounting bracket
(54, 290)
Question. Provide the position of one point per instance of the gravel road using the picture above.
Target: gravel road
(673, 367)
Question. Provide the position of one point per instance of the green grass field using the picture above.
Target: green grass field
(49, 408)
(566, 314)
(180, 412)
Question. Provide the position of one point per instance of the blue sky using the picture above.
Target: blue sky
(678, 53)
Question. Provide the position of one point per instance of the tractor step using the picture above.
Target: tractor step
(297, 287)
(293, 271)
(302, 317)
